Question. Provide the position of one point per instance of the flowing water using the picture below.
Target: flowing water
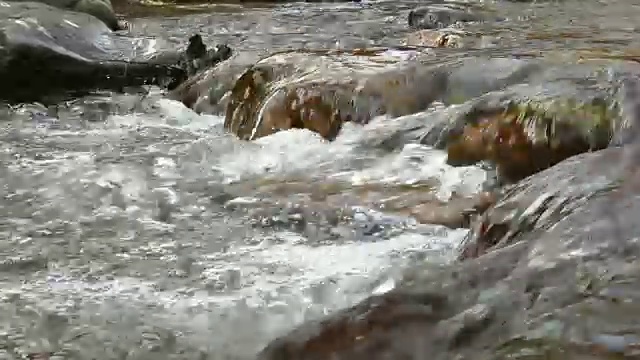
(134, 228)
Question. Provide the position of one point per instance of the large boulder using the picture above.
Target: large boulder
(532, 203)
(521, 115)
(45, 50)
(563, 287)
(100, 9)
(535, 117)
(320, 90)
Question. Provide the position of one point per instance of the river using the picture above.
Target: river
(138, 229)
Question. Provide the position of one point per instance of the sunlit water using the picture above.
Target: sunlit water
(150, 233)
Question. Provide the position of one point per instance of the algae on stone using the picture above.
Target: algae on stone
(527, 128)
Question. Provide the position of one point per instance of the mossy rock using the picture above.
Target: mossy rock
(524, 138)
(529, 127)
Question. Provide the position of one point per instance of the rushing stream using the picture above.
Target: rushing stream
(138, 229)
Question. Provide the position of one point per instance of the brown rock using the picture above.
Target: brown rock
(396, 325)
(500, 137)
(363, 331)
(434, 38)
(455, 213)
(208, 91)
(320, 90)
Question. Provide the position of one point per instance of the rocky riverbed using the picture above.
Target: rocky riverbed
(346, 180)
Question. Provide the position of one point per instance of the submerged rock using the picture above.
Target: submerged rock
(101, 9)
(45, 50)
(563, 286)
(451, 38)
(435, 38)
(320, 90)
(456, 213)
(438, 17)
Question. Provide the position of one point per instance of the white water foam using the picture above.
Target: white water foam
(274, 287)
(300, 150)
(293, 151)
(295, 267)
(278, 280)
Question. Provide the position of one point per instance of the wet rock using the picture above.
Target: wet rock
(452, 38)
(557, 113)
(544, 197)
(456, 213)
(468, 79)
(320, 90)
(47, 50)
(473, 77)
(440, 16)
(502, 139)
(363, 330)
(463, 325)
(198, 58)
(628, 131)
(194, 59)
(208, 91)
(393, 134)
(101, 9)
(539, 293)
(435, 38)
